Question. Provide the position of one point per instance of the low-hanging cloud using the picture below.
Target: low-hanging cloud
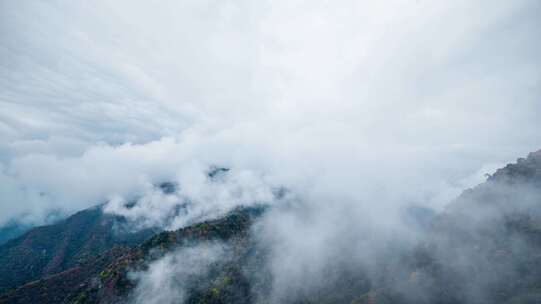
(165, 280)
(359, 109)
(343, 99)
(195, 195)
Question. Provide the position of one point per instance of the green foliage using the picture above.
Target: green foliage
(104, 274)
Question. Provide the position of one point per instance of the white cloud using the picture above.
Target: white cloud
(358, 107)
(352, 102)
(166, 279)
(194, 197)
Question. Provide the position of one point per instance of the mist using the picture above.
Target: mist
(347, 99)
(160, 283)
(359, 109)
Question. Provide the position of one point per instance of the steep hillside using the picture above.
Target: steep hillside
(106, 280)
(484, 248)
(115, 283)
(54, 288)
(47, 250)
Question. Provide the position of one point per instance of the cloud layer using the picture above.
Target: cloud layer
(350, 103)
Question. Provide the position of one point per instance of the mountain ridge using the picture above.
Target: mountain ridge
(50, 249)
(496, 224)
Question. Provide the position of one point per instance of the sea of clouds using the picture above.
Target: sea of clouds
(357, 108)
(363, 103)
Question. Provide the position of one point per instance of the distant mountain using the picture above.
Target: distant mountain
(12, 230)
(484, 248)
(103, 279)
(18, 226)
(46, 250)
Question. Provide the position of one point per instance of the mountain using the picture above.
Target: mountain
(46, 250)
(54, 288)
(485, 247)
(105, 279)
(12, 230)
(50, 249)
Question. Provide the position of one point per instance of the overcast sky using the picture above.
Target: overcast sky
(374, 103)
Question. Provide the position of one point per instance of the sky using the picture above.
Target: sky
(364, 104)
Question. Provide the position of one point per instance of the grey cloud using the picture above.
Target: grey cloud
(315, 88)
(360, 109)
